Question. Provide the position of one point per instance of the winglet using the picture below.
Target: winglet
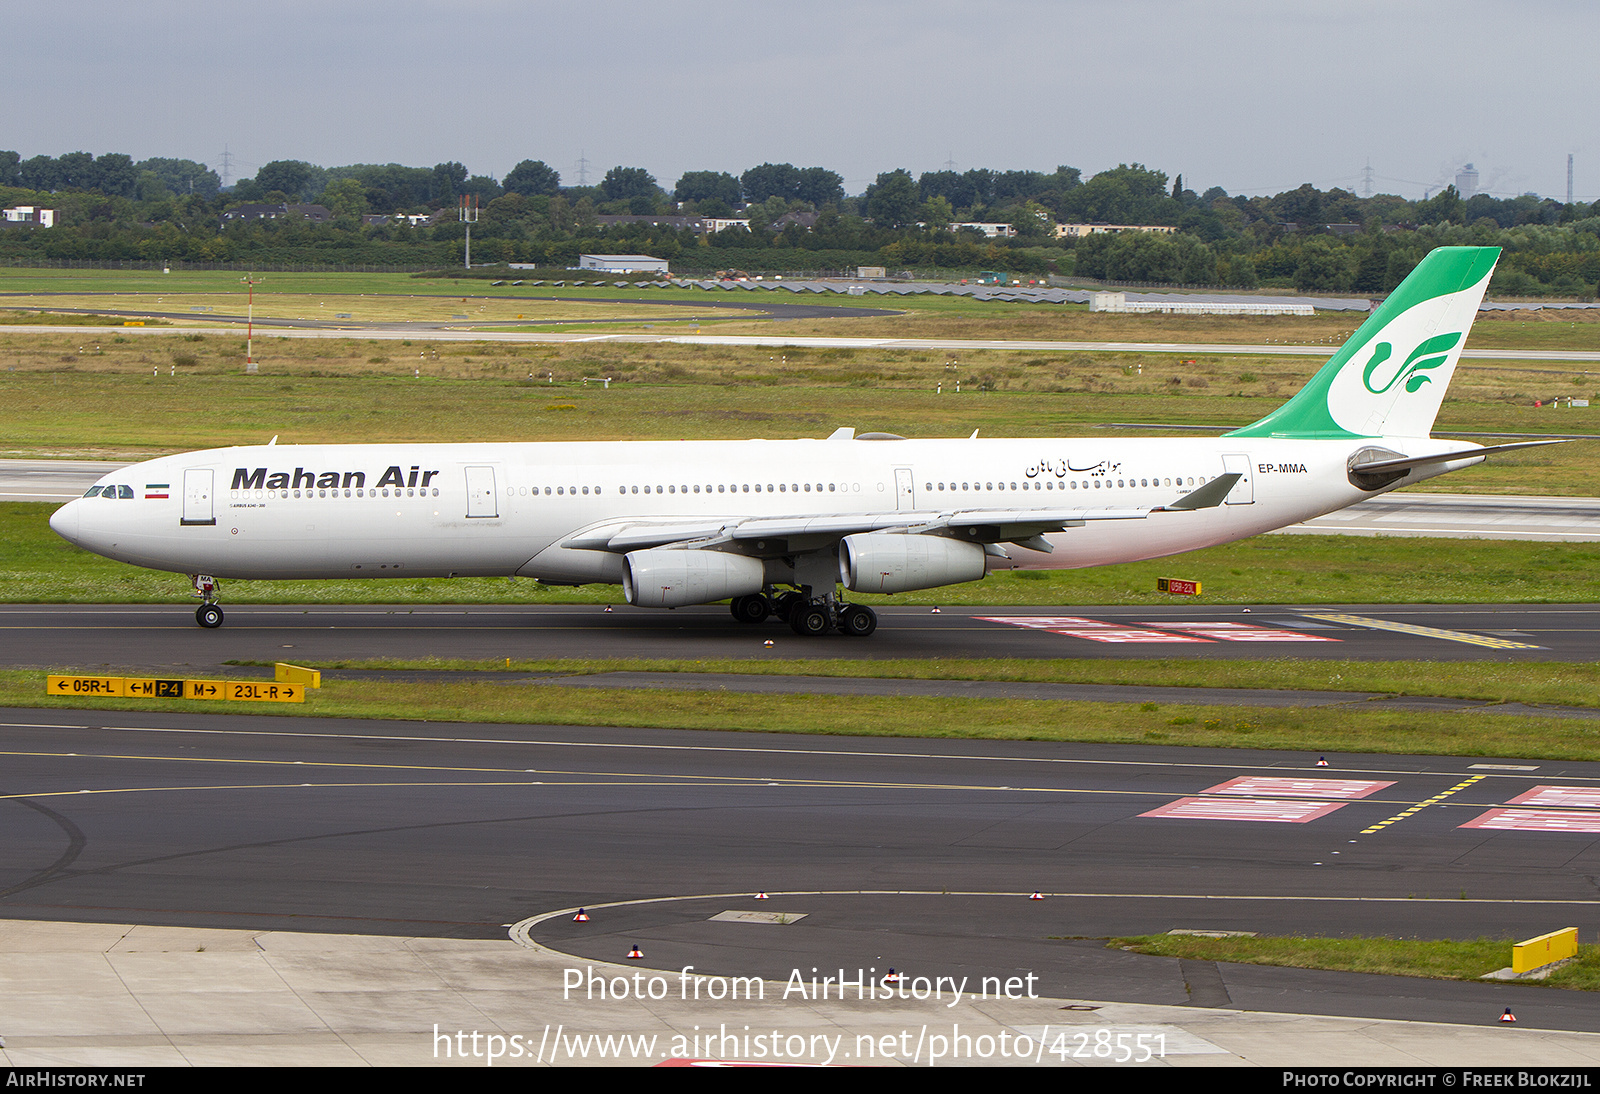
(1208, 496)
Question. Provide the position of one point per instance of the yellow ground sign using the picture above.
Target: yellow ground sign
(295, 674)
(254, 691)
(77, 686)
(1547, 949)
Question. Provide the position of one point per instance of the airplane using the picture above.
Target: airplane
(777, 526)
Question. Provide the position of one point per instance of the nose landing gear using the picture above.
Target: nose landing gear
(209, 613)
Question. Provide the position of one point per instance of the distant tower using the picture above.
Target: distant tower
(227, 165)
(583, 169)
(1467, 181)
(1569, 178)
(1366, 180)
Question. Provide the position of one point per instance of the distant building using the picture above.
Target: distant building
(262, 211)
(31, 216)
(1467, 181)
(1076, 231)
(416, 220)
(807, 221)
(698, 225)
(991, 229)
(623, 263)
(1119, 302)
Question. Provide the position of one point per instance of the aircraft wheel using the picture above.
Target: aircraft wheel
(208, 616)
(858, 621)
(785, 603)
(750, 609)
(809, 621)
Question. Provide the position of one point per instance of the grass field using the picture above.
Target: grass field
(923, 316)
(69, 395)
(1443, 959)
(1311, 731)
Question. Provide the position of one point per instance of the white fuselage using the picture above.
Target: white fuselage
(399, 510)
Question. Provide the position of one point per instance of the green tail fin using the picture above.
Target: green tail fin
(1391, 376)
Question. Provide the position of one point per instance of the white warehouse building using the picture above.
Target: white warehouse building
(623, 263)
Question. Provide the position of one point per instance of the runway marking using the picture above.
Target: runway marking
(1253, 785)
(1096, 630)
(1245, 809)
(1536, 820)
(1415, 809)
(1071, 626)
(1243, 632)
(1582, 797)
(1426, 632)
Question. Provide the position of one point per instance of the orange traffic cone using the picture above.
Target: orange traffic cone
(581, 917)
(1037, 896)
(761, 895)
(636, 952)
(1322, 761)
(1508, 1018)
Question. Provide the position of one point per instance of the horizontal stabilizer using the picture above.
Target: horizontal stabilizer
(1405, 462)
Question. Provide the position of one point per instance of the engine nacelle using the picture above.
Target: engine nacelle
(661, 578)
(882, 562)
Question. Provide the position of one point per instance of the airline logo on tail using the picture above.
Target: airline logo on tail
(1413, 368)
(1368, 389)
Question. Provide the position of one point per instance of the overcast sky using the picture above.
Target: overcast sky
(1255, 96)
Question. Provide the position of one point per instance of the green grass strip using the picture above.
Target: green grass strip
(1442, 959)
(1339, 729)
(1557, 683)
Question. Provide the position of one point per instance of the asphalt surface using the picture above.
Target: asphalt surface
(43, 635)
(470, 331)
(920, 855)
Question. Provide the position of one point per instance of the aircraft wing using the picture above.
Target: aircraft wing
(1014, 524)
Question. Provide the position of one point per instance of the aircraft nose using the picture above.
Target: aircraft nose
(64, 521)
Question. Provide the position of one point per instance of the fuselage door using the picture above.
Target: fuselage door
(1244, 491)
(902, 489)
(482, 499)
(197, 482)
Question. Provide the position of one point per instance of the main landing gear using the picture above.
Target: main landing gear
(209, 613)
(806, 616)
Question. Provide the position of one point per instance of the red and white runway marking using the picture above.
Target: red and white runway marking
(1536, 820)
(1254, 785)
(1242, 632)
(1559, 797)
(1245, 809)
(1096, 630)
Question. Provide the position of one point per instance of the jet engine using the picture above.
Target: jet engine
(663, 578)
(881, 562)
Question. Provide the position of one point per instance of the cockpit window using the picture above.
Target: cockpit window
(93, 491)
(125, 492)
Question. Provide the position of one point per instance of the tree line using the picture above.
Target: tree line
(112, 207)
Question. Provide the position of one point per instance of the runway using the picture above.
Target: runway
(158, 636)
(465, 333)
(917, 854)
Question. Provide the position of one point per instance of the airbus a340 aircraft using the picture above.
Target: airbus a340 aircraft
(778, 526)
